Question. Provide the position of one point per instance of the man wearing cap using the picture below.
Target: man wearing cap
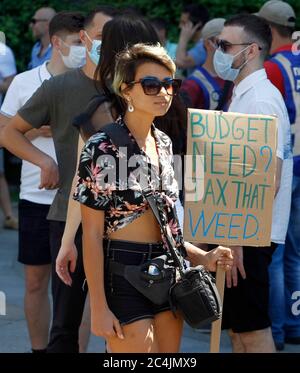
(204, 88)
(283, 69)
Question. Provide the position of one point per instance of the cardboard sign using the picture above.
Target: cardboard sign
(229, 178)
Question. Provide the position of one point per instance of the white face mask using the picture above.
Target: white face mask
(223, 64)
(76, 57)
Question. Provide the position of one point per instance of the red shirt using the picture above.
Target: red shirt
(273, 71)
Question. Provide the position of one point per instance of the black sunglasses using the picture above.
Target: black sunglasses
(224, 45)
(152, 85)
(34, 20)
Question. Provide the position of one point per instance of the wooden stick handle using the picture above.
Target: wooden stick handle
(216, 325)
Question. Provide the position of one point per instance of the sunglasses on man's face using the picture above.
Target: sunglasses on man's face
(152, 85)
(35, 20)
(224, 45)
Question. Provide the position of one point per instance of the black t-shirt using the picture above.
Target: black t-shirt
(56, 103)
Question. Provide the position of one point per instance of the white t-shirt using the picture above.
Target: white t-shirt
(7, 63)
(257, 95)
(21, 89)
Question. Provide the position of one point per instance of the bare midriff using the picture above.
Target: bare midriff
(143, 229)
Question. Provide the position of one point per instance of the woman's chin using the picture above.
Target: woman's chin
(161, 112)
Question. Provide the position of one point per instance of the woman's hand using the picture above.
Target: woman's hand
(210, 259)
(219, 256)
(105, 324)
(66, 258)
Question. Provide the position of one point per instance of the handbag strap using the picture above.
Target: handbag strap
(149, 196)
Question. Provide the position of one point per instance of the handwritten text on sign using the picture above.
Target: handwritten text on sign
(230, 178)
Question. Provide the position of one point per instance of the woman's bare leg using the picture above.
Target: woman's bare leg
(139, 338)
(168, 332)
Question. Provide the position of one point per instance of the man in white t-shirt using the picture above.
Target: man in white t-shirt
(7, 72)
(34, 245)
(243, 46)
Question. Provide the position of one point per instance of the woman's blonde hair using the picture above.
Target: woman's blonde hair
(131, 58)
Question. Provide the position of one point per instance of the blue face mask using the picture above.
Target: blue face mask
(94, 53)
(223, 65)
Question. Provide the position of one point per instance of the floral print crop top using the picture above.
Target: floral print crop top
(104, 184)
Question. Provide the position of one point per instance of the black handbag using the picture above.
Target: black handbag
(196, 296)
(194, 293)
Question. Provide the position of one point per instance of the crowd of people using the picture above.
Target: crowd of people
(114, 65)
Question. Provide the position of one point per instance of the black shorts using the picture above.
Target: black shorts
(246, 307)
(34, 242)
(126, 303)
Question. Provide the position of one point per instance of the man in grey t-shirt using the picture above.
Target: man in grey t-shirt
(56, 103)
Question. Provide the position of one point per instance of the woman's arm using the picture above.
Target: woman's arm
(199, 255)
(73, 216)
(219, 256)
(101, 117)
(67, 255)
(103, 321)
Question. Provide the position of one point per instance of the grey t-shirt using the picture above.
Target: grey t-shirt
(56, 103)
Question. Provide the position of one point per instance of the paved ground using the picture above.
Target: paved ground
(13, 331)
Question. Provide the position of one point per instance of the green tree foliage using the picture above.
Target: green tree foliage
(15, 15)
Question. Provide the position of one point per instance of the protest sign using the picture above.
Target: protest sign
(229, 178)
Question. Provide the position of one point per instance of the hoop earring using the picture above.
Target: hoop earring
(130, 108)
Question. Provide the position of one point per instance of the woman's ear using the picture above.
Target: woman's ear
(124, 92)
(123, 88)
